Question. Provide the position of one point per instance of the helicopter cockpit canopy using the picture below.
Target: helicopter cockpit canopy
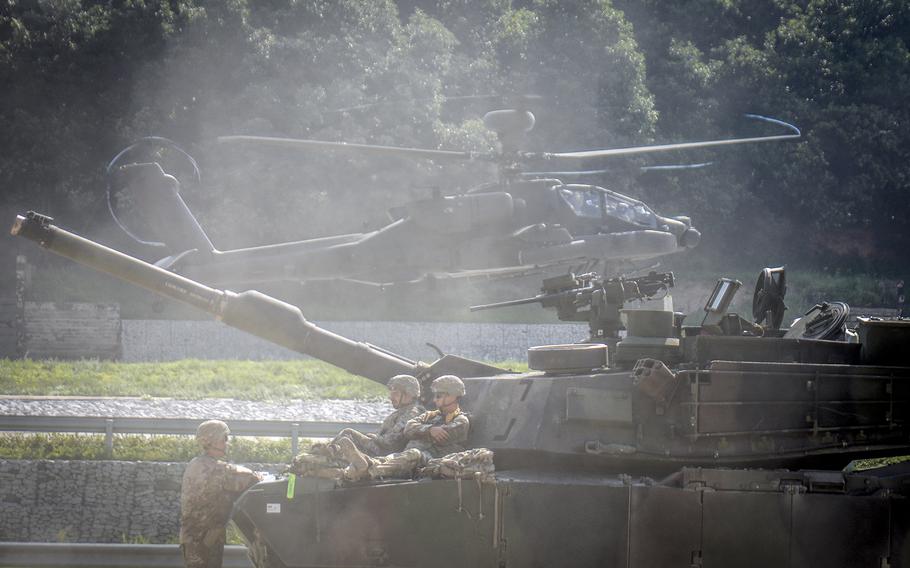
(600, 204)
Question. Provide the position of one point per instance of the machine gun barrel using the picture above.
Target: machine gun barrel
(508, 303)
(574, 292)
(250, 311)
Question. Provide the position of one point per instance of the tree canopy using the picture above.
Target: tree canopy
(84, 78)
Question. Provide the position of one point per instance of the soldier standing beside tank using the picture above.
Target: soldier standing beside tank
(210, 486)
(404, 392)
(433, 434)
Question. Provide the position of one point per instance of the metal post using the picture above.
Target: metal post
(295, 438)
(21, 285)
(901, 299)
(109, 438)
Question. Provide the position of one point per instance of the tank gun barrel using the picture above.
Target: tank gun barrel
(250, 311)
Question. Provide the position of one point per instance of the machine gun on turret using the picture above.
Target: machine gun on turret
(588, 297)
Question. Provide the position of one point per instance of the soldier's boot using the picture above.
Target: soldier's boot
(333, 450)
(390, 471)
(359, 464)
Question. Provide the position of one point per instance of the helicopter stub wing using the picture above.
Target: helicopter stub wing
(627, 245)
(475, 275)
(535, 260)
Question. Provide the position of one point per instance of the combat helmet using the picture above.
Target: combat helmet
(406, 384)
(448, 384)
(210, 431)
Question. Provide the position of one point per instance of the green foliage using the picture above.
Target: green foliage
(805, 288)
(51, 446)
(187, 379)
(859, 465)
(834, 67)
(57, 446)
(88, 77)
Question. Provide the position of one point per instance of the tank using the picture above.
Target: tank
(696, 441)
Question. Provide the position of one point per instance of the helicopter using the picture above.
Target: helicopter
(523, 223)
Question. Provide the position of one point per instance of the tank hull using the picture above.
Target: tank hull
(698, 517)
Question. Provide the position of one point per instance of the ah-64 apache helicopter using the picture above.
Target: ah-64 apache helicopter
(522, 223)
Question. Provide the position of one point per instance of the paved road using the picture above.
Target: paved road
(304, 410)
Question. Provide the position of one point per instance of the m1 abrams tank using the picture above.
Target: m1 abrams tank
(696, 442)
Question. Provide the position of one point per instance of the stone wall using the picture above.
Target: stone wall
(71, 330)
(8, 331)
(168, 340)
(79, 330)
(90, 501)
(58, 330)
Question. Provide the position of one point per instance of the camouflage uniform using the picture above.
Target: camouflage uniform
(418, 431)
(390, 438)
(421, 448)
(207, 496)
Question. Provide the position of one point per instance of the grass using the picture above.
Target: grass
(187, 379)
(190, 379)
(56, 446)
(860, 465)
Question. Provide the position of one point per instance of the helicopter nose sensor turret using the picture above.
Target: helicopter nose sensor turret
(690, 238)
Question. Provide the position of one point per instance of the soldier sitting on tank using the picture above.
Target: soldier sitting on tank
(210, 486)
(404, 392)
(431, 435)
(327, 461)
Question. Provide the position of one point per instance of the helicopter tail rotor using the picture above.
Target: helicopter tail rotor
(145, 202)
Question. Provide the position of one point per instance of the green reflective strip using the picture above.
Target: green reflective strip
(292, 482)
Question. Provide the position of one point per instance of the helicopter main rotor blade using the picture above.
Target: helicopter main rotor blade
(586, 154)
(667, 167)
(369, 148)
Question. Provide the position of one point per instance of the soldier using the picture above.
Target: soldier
(431, 435)
(404, 391)
(210, 486)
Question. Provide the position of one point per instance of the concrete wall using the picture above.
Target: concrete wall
(167, 340)
(82, 330)
(71, 330)
(7, 328)
(90, 501)
(60, 330)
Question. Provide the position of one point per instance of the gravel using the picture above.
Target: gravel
(223, 408)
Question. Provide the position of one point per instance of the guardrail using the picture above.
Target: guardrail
(40, 554)
(176, 426)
